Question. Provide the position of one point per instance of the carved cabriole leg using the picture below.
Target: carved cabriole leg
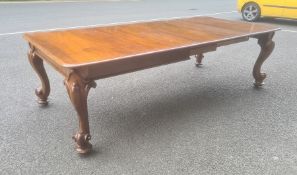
(199, 58)
(267, 46)
(78, 90)
(37, 64)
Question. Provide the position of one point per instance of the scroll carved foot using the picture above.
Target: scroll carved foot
(37, 63)
(267, 46)
(78, 90)
(199, 58)
(83, 146)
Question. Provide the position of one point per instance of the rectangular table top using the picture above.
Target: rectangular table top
(79, 47)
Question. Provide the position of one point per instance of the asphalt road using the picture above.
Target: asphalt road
(174, 119)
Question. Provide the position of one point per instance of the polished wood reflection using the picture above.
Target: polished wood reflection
(71, 48)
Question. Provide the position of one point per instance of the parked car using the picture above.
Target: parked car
(252, 10)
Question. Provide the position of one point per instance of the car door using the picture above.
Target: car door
(272, 7)
(290, 9)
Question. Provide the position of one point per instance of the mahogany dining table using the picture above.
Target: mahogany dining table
(84, 55)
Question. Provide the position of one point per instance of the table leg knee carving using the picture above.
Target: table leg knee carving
(267, 46)
(78, 90)
(37, 63)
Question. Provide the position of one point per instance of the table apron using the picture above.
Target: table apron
(131, 64)
(126, 65)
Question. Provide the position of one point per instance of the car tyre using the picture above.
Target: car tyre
(251, 12)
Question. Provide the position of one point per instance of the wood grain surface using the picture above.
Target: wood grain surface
(77, 47)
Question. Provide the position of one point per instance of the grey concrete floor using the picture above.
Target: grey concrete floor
(174, 119)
